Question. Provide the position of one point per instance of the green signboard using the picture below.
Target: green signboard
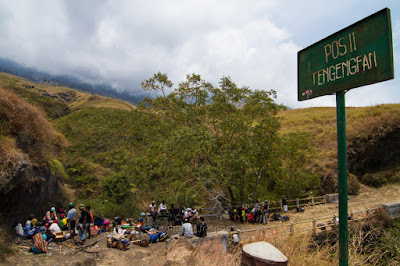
(358, 55)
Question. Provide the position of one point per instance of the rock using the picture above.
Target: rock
(14, 175)
(262, 253)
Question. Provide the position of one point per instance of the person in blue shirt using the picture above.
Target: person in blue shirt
(29, 230)
(71, 217)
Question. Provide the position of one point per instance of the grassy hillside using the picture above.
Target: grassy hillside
(30, 154)
(372, 139)
(57, 101)
(110, 138)
(105, 142)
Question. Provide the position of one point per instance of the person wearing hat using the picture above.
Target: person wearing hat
(71, 217)
(50, 215)
(188, 214)
(82, 222)
(187, 230)
(29, 230)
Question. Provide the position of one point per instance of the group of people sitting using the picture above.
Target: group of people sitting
(180, 216)
(45, 230)
(127, 231)
(258, 214)
(176, 216)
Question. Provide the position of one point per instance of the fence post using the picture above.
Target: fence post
(312, 201)
(281, 206)
(298, 203)
(334, 220)
(324, 199)
(352, 216)
(314, 231)
(368, 213)
(292, 228)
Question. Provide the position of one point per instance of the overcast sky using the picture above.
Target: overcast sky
(124, 42)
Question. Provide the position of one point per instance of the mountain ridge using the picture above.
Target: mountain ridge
(103, 89)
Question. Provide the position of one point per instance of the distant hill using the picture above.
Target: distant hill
(11, 67)
(57, 101)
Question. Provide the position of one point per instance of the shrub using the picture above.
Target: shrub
(125, 209)
(116, 188)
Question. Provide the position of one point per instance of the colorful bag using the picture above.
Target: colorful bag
(162, 236)
(40, 243)
(153, 236)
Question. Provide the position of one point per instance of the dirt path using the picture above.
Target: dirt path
(69, 254)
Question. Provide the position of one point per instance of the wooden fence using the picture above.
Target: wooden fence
(322, 223)
(274, 206)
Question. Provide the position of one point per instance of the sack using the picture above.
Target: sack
(145, 240)
(19, 231)
(40, 243)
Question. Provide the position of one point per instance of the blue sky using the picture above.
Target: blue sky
(124, 42)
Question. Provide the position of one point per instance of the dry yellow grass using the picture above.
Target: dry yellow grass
(28, 126)
(320, 122)
(75, 99)
(87, 100)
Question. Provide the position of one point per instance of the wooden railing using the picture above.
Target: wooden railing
(322, 223)
(274, 206)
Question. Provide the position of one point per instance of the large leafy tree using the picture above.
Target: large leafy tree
(221, 142)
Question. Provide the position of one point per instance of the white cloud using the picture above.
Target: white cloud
(124, 42)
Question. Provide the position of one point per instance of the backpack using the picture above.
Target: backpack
(153, 236)
(277, 217)
(18, 230)
(98, 220)
(162, 236)
(202, 230)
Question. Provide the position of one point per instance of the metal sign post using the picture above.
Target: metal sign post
(342, 176)
(355, 56)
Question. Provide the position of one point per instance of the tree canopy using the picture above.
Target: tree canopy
(222, 141)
